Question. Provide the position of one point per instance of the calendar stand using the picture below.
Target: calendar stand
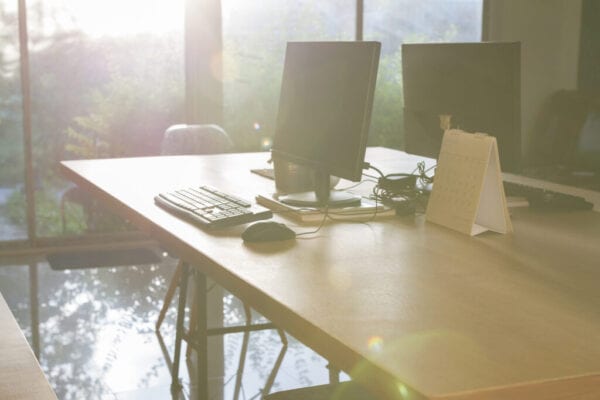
(468, 195)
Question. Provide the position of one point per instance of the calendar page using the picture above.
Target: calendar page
(467, 192)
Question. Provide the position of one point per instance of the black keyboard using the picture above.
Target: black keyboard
(547, 199)
(210, 208)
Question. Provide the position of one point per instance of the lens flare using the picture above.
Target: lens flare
(216, 66)
(266, 143)
(375, 343)
(256, 126)
(403, 391)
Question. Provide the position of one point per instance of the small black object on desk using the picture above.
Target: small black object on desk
(558, 201)
(268, 231)
(547, 199)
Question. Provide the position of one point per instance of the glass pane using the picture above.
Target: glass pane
(254, 41)
(393, 22)
(13, 224)
(107, 80)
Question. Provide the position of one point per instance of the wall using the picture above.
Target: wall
(549, 32)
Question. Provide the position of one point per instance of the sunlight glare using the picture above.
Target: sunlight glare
(266, 143)
(125, 17)
(403, 391)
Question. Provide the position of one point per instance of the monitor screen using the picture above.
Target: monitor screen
(475, 87)
(325, 105)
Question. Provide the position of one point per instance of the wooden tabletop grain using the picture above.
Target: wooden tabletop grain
(411, 309)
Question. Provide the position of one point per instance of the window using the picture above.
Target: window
(107, 83)
(103, 84)
(13, 224)
(254, 41)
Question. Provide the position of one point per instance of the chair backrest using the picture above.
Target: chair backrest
(195, 139)
(559, 126)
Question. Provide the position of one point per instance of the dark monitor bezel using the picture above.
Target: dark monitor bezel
(413, 59)
(324, 166)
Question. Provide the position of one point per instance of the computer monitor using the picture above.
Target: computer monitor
(475, 87)
(324, 114)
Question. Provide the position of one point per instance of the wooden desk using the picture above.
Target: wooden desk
(411, 309)
(21, 377)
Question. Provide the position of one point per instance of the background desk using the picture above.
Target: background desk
(409, 308)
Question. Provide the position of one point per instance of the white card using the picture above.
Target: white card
(468, 195)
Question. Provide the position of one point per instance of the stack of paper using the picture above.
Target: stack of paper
(367, 210)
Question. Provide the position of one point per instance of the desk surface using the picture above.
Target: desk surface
(21, 377)
(408, 307)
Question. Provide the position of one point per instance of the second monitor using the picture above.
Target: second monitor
(325, 113)
(475, 87)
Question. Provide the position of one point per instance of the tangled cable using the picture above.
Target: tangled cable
(408, 193)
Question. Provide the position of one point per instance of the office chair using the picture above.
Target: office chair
(195, 139)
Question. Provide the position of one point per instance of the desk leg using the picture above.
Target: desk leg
(175, 384)
(201, 336)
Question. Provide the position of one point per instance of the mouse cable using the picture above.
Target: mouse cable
(325, 215)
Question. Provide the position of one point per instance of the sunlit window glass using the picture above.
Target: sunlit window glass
(107, 80)
(13, 224)
(254, 41)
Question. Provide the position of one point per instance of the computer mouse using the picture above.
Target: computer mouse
(267, 231)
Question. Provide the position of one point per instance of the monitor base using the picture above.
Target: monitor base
(337, 199)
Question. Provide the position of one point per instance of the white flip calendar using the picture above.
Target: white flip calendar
(468, 195)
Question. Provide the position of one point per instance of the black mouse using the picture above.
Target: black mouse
(267, 231)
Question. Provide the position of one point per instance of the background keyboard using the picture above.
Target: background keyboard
(208, 207)
(546, 199)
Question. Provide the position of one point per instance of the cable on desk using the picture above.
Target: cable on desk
(328, 214)
(319, 227)
(404, 191)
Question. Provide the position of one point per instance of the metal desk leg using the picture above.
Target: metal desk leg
(175, 384)
(202, 336)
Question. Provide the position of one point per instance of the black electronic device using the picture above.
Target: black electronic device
(475, 87)
(267, 231)
(398, 183)
(325, 113)
(546, 199)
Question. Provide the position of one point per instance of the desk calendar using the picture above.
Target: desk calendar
(468, 195)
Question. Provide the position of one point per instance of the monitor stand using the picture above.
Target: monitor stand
(322, 196)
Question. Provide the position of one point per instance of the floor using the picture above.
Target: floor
(94, 332)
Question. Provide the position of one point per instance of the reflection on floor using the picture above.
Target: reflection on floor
(97, 339)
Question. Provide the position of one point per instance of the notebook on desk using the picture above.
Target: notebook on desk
(367, 209)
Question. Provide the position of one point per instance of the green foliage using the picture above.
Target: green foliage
(254, 51)
(47, 218)
(78, 218)
(11, 157)
(386, 120)
(126, 117)
(127, 114)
